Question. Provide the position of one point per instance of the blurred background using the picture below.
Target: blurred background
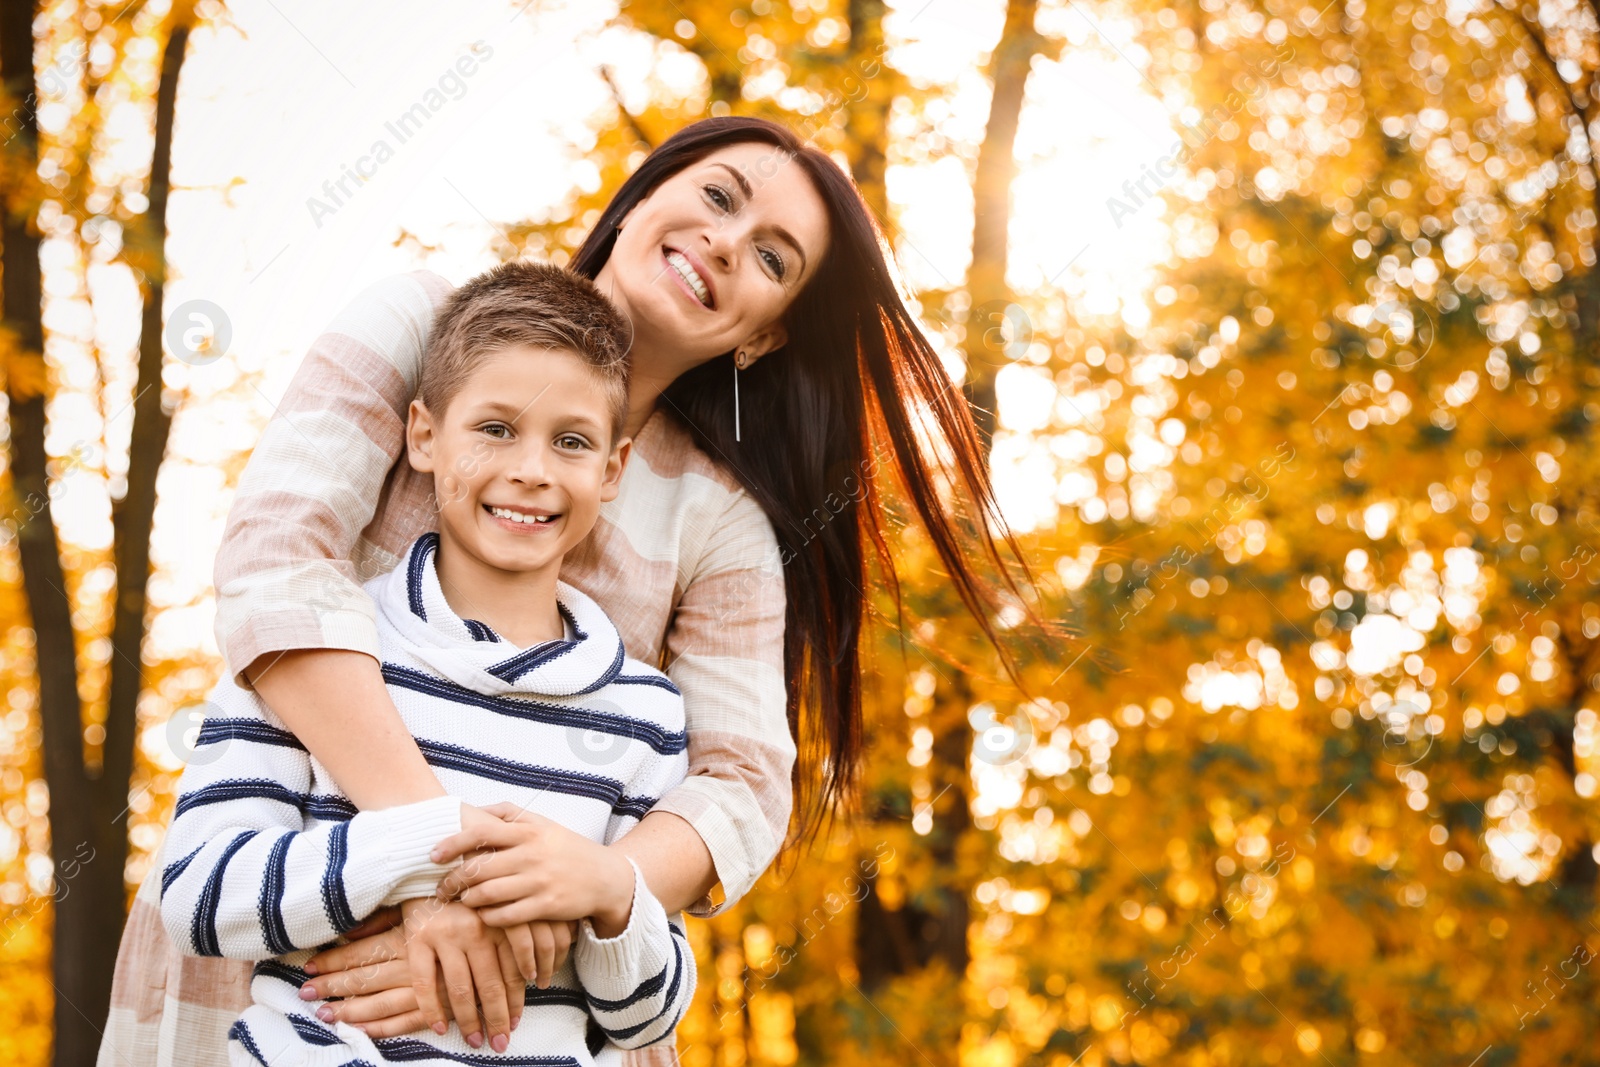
(1282, 321)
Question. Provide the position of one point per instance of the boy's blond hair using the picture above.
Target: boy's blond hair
(530, 304)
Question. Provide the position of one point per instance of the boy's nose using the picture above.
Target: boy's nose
(529, 466)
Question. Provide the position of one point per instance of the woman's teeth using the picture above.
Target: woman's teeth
(517, 516)
(686, 271)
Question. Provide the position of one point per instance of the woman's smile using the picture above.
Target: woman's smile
(691, 277)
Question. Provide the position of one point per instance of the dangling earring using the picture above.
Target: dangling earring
(738, 361)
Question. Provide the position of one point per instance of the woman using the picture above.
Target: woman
(775, 367)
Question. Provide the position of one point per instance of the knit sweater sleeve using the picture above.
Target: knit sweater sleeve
(244, 875)
(639, 983)
(283, 572)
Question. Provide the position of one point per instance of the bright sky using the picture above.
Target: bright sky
(299, 94)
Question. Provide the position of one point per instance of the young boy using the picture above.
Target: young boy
(505, 677)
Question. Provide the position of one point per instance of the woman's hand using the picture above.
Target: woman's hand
(520, 867)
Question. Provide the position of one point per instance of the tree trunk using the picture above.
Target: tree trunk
(991, 202)
(871, 88)
(82, 984)
(132, 516)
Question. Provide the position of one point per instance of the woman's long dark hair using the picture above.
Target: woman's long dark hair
(856, 372)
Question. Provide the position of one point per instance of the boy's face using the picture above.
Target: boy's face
(521, 458)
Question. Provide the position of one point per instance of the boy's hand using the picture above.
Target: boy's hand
(531, 867)
(449, 939)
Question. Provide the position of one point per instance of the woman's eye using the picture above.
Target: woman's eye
(773, 261)
(720, 197)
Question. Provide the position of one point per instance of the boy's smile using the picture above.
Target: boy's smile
(521, 458)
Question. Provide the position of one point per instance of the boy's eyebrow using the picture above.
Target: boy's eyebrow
(500, 407)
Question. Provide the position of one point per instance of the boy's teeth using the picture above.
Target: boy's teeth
(687, 272)
(517, 516)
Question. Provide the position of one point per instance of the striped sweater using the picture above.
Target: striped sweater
(266, 860)
(683, 560)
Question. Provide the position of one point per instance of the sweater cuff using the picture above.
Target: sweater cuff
(620, 959)
(403, 837)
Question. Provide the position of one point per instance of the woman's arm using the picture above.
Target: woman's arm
(291, 613)
(725, 654)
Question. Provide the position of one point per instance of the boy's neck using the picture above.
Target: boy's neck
(520, 606)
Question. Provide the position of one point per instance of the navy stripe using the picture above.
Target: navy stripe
(419, 559)
(214, 730)
(322, 806)
(203, 930)
(610, 674)
(406, 1049)
(334, 901)
(241, 1033)
(283, 972)
(311, 1031)
(664, 742)
(647, 988)
(572, 783)
(176, 868)
(480, 631)
(526, 660)
(646, 679)
(672, 992)
(273, 932)
(555, 996)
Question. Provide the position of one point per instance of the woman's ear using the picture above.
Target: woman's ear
(770, 339)
(419, 438)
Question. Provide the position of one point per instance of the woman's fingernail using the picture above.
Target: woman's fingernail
(516, 1022)
(325, 1013)
(499, 1042)
(439, 1028)
(475, 1040)
(436, 856)
(311, 968)
(308, 992)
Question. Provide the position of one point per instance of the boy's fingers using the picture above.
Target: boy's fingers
(458, 990)
(373, 948)
(378, 978)
(520, 940)
(564, 934)
(491, 990)
(425, 982)
(475, 867)
(493, 890)
(490, 835)
(544, 947)
(509, 812)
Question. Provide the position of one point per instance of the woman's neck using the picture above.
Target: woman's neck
(651, 370)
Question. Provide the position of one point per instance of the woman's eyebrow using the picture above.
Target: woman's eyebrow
(783, 234)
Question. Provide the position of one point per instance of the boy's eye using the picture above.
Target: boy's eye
(571, 441)
(496, 429)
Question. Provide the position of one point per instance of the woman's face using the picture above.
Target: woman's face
(711, 259)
